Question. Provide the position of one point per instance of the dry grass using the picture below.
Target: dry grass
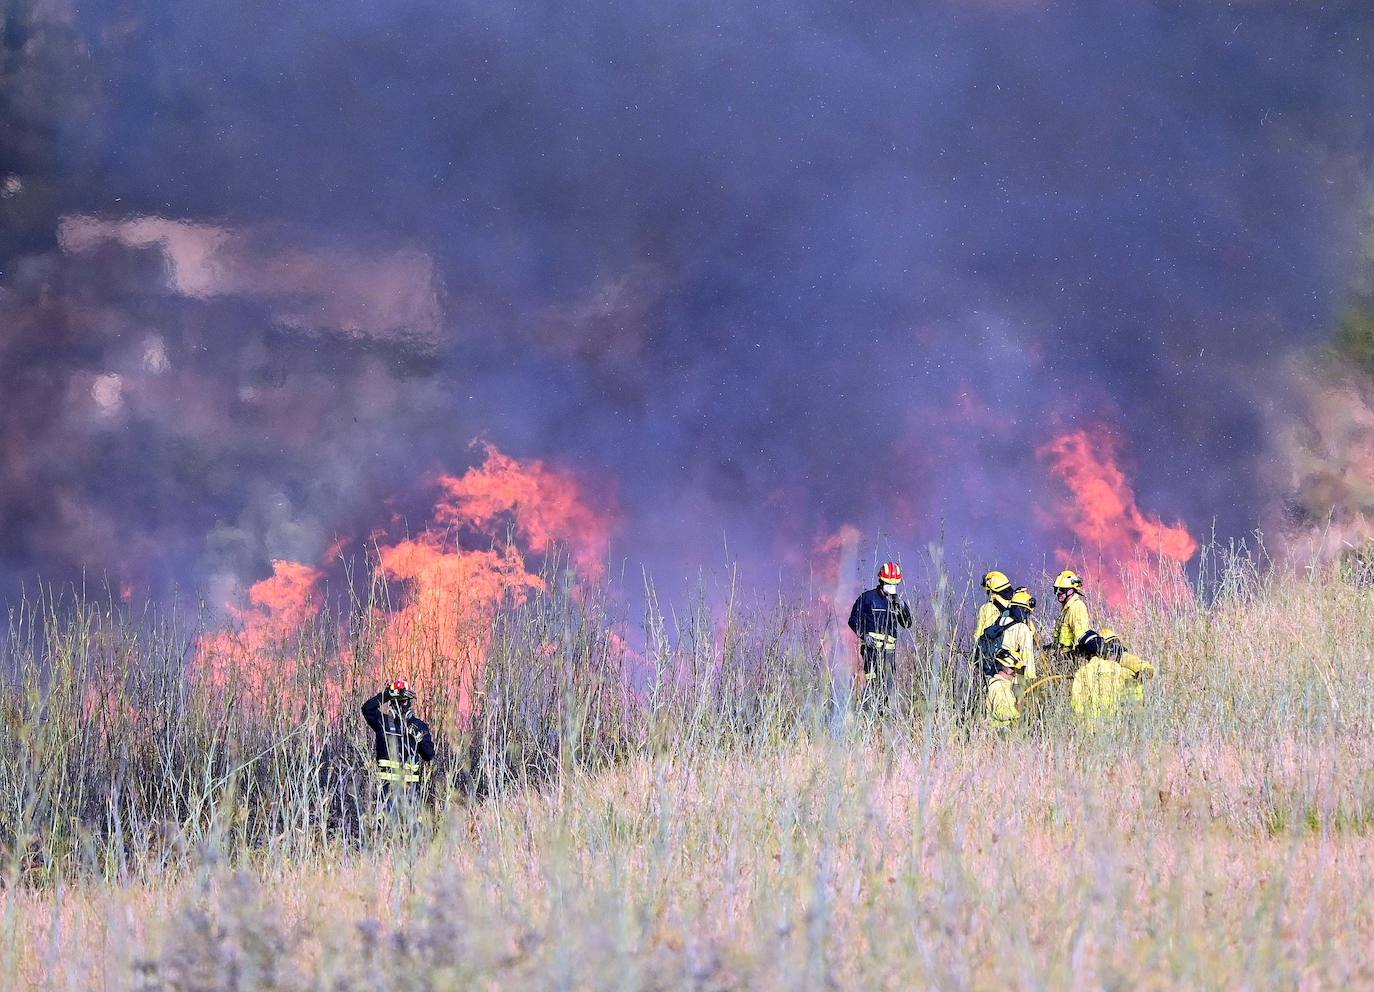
(724, 827)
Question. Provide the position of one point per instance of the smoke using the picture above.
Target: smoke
(759, 271)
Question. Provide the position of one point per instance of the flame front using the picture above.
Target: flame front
(468, 563)
(1100, 510)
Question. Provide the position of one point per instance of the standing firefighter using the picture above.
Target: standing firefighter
(875, 619)
(1011, 633)
(1073, 612)
(403, 740)
(998, 587)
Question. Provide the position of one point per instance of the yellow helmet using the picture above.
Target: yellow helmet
(1068, 580)
(1008, 660)
(996, 581)
(1023, 597)
(1108, 635)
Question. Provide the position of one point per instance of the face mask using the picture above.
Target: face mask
(889, 589)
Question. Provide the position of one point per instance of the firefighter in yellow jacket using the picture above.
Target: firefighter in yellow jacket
(1031, 622)
(1019, 636)
(999, 709)
(1074, 621)
(1102, 687)
(998, 587)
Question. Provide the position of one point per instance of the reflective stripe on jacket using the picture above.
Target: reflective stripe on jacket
(396, 771)
(876, 619)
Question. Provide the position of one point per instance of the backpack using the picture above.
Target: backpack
(971, 677)
(986, 647)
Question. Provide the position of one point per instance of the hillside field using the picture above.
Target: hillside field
(723, 825)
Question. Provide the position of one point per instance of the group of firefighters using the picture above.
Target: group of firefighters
(1107, 678)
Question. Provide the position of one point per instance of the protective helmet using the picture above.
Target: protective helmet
(1023, 597)
(1068, 580)
(1026, 590)
(398, 692)
(890, 573)
(1089, 643)
(1008, 660)
(996, 581)
(1108, 635)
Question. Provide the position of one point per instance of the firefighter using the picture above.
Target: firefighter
(876, 617)
(1073, 612)
(999, 709)
(1018, 636)
(998, 587)
(403, 740)
(1102, 686)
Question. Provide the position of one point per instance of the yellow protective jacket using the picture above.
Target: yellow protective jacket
(987, 616)
(1073, 622)
(1020, 641)
(999, 711)
(1102, 688)
(1137, 665)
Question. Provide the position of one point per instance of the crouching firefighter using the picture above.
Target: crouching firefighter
(403, 741)
(877, 616)
(999, 709)
(1105, 687)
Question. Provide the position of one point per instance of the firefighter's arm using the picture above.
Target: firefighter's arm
(904, 614)
(424, 740)
(1022, 644)
(1138, 666)
(854, 615)
(372, 712)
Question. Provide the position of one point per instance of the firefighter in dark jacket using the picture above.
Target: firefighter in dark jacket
(403, 740)
(875, 619)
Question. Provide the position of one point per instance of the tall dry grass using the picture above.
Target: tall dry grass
(708, 815)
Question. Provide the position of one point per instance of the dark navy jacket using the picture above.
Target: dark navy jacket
(874, 613)
(407, 741)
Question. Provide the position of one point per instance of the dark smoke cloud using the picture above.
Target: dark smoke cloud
(758, 268)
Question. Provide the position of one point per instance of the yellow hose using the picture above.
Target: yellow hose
(1039, 682)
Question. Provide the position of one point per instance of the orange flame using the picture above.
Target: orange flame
(439, 633)
(541, 505)
(1101, 510)
(261, 652)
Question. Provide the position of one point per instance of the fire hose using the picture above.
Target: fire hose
(1039, 682)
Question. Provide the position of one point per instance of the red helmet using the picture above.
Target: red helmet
(890, 573)
(399, 690)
